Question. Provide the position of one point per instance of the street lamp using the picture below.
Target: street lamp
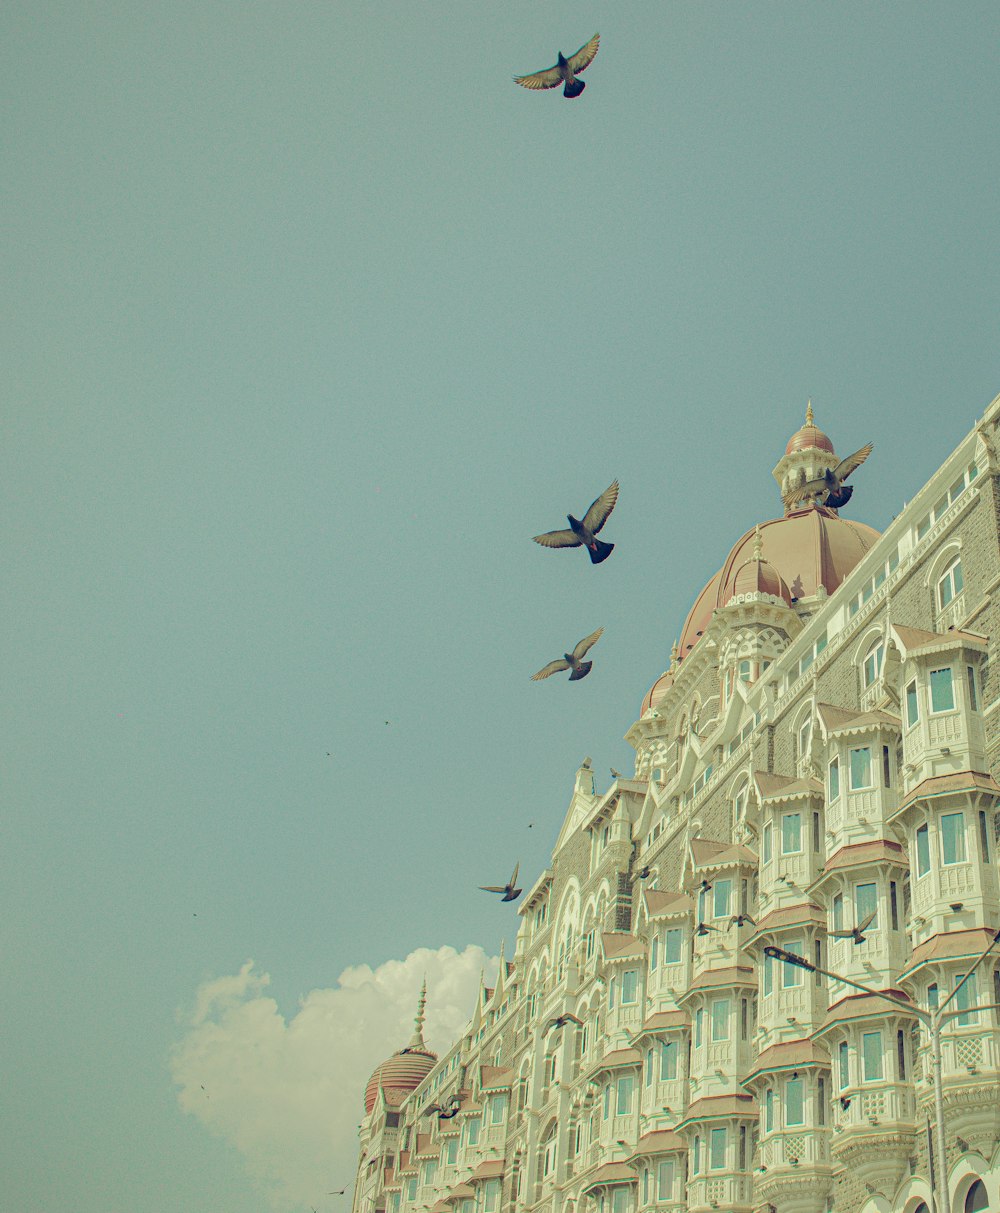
(933, 1020)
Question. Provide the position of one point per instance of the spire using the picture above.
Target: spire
(417, 1039)
(758, 545)
(674, 655)
(809, 413)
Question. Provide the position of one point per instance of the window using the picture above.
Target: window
(901, 1056)
(835, 779)
(871, 1053)
(838, 912)
(873, 662)
(696, 1160)
(654, 952)
(844, 1065)
(498, 1108)
(672, 946)
(699, 1017)
(744, 1019)
(865, 903)
(923, 851)
(791, 833)
(665, 1180)
(768, 1111)
(451, 1152)
(912, 710)
(668, 1060)
(766, 842)
(984, 837)
(630, 986)
(607, 1101)
(411, 1189)
(491, 1195)
(717, 1156)
(473, 1131)
(821, 1101)
(893, 908)
(621, 1200)
(791, 975)
(953, 838)
(768, 974)
(623, 1104)
(428, 1173)
(742, 1159)
(950, 585)
(886, 768)
(744, 671)
(973, 696)
(976, 1200)
(720, 1019)
(965, 998)
(861, 768)
(816, 833)
(649, 1067)
(794, 1096)
(932, 996)
(722, 890)
(942, 691)
(612, 986)
(805, 735)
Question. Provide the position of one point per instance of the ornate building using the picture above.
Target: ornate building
(816, 772)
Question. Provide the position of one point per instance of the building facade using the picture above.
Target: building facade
(817, 772)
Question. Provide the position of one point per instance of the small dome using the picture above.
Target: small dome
(656, 692)
(809, 437)
(757, 577)
(404, 1071)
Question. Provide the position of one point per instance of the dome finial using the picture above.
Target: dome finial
(809, 413)
(417, 1039)
(758, 544)
(674, 654)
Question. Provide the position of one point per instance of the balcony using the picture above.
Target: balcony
(727, 1192)
(804, 1147)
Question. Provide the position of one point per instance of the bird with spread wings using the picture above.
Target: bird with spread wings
(583, 531)
(565, 71)
(571, 661)
(829, 489)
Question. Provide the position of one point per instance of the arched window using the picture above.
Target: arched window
(548, 1150)
(740, 801)
(872, 667)
(975, 1198)
(805, 737)
(745, 671)
(950, 583)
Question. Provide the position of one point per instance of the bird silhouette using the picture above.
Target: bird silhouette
(856, 933)
(582, 532)
(644, 872)
(829, 489)
(571, 661)
(740, 919)
(564, 72)
(446, 1111)
(615, 774)
(561, 1021)
(704, 928)
(510, 892)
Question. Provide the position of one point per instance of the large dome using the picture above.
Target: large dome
(808, 549)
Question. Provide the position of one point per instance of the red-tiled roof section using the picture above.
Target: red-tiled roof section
(461, 1192)
(715, 1106)
(951, 945)
(785, 787)
(664, 1021)
(491, 1169)
(916, 640)
(612, 1173)
(619, 945)
(788, 1055)
(616, 1060)
(959, 781)
(707, 853)
(662, 1141)
(843, 720)
(661, 904)
(867, 852)
(495, 1078)
(713, 979)
(425, 1147)
(806, 913)
(863, 1006)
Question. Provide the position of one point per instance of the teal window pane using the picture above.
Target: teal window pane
(623, 1103)
(953, 838)
(769, 1111)
(668, 1061)
(791, 975)
(871, 1053)
(965, 998)
(923, 851)
(766, 842)
(835, 779)
(672, 947)
(861, 768)
(718, 1150)
(630, 986)
(865, 903)
(791, 833)
(794, 1100)
(720, 1019)
(722, 890)
(845, 1072)
(912, 710)
(942, 691)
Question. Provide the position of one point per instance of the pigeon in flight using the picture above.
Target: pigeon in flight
(444, 1112)
(510, 893)
(561, 1021)
(582, 532)
(856, 933)
(571, 661)
(564, 72)
(830, 483)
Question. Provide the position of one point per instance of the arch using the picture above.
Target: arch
(945, 555)
(972, 1193)
(976, 1200)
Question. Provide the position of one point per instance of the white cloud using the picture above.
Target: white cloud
(289, 1094)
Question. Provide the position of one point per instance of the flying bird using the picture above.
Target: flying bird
(564, 72)
(856, 933)
(644, 872)
(582, 532)
(740, 919)
(703, 928)
(561, 1021)
(829, 489)
(571, 661)
(510, 892)
(339, 1191)
(444, 1112)
(615, 774)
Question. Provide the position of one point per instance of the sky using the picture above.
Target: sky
(312, 318)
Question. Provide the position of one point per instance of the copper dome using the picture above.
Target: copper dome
(402, 1073)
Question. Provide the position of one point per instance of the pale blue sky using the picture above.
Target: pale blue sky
(312, 318)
